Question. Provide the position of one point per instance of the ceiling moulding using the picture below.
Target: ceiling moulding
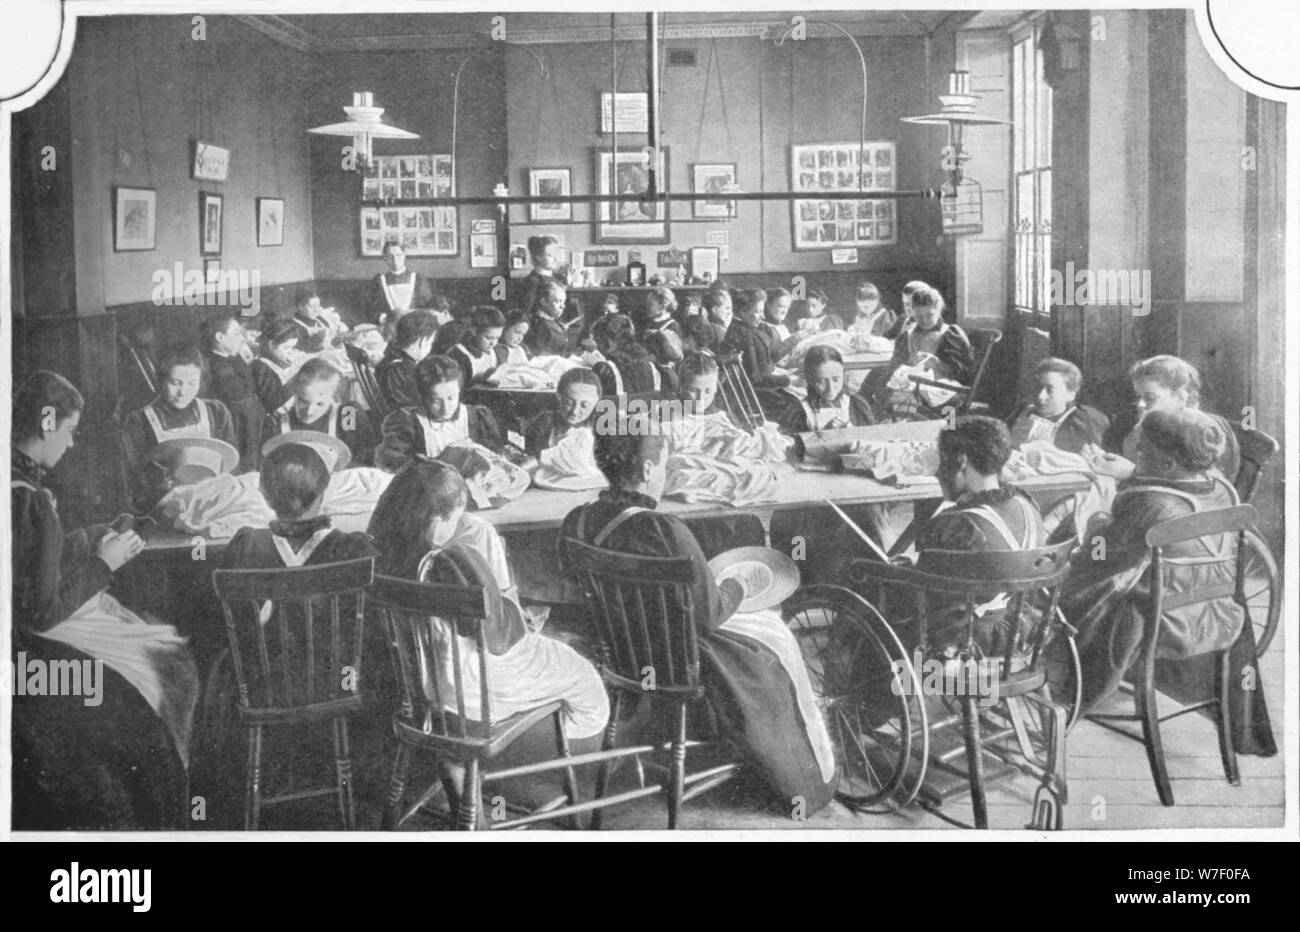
(277, 28)
(282, 31)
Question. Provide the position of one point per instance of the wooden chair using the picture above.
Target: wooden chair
(365, 372)
(1030, 581)
(1237, 520)
(982, 343)
(645, 616)
(1257, 449)
(439, 718)
(1261, 576)
(299, 666)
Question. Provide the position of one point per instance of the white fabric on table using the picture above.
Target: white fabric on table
(570, 464)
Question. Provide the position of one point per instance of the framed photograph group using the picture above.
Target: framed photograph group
(630, 222)
(402, 177)
(839, 167)
(421, 231)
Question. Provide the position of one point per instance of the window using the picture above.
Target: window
(1031, 109)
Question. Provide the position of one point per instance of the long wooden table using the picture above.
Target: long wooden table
(539, 509)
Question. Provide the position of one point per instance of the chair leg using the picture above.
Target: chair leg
(602, 777)
(678, 774)
(1057, 718)
(1150, 713)
(570, 777)
(1224, 720)
(253, 808)
(343, 773)
(975, 760)
(471, 791)
(396, 789)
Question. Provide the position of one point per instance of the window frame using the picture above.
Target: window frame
(1031, 163)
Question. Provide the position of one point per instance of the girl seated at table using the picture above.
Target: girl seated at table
(628, 366)
(717, 306)
(755, 681)
(927, 345)
(275, 368)
(697, 337)
(1164, 383)
(828, 406)
(113, 757)
(660, 305)
(547, 334)
(476, 351)
(228, 358)
(176, 412)
(511, 349)
(576, 398)
(1054, 416)
(423, 532)
(815, 318)
(872, 318)
(314, 405)
(775, 312)
(320, 325)
(395, 373)
(438, 422)
(1106, 595)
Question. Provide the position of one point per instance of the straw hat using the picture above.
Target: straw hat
(332, 450)
(193, 459)
(769, 576)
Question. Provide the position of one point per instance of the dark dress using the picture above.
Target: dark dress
(751, 694)
(546, 336)
(272, 391)
(376, 299)
(230, 381)
(633, 374)
(94, 767)
(530, 289)
(395, 375)
(348, 422)
(403, 435)
(146, 483)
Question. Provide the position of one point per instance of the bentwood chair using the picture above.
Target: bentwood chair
(436, 627)
(1006, 691)
(646, 618)
(295, 643)
(1260, 574)
(982, 343)
(1238, 520)
(366, 379)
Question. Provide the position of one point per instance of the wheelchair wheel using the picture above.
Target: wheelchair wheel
(1064, 671)
(857, 665)
(1261, 589)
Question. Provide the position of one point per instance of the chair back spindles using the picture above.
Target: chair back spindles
(365, 373)
(1257, 449)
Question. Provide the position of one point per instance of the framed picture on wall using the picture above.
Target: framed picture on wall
(483, 250)
(135, 217)
(713, 179)
(210, 206)
(706, 262)
(270, 221)
(543, 182)
(421, 231)
(630, 222)
(843, 167)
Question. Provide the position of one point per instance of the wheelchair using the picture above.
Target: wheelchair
(901, 732)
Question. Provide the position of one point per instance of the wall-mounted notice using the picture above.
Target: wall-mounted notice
(844, 257)
(601, 258)
(631, 113)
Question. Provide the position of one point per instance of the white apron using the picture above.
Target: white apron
(202, 429)
(442, 434)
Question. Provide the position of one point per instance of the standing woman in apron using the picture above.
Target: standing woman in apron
(115, 755)
(176, 412)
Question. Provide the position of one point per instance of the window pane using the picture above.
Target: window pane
(1045, 201)
(1017, 105)
(1044, 280)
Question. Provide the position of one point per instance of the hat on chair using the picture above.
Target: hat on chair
(192, 459)
(332, 450)
(768, 576)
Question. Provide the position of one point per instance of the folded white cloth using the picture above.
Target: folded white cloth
(570, 465)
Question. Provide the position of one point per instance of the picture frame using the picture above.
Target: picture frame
(212, 271)
(706, 263)
(396, 178)
(135, 219)
(633, 223)
(211, 163)
(482, 250)
(712, 178)
(270, 221)
(421, 231)
(628, 112)
(821, 224)
(554, 181)
(211, 207)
